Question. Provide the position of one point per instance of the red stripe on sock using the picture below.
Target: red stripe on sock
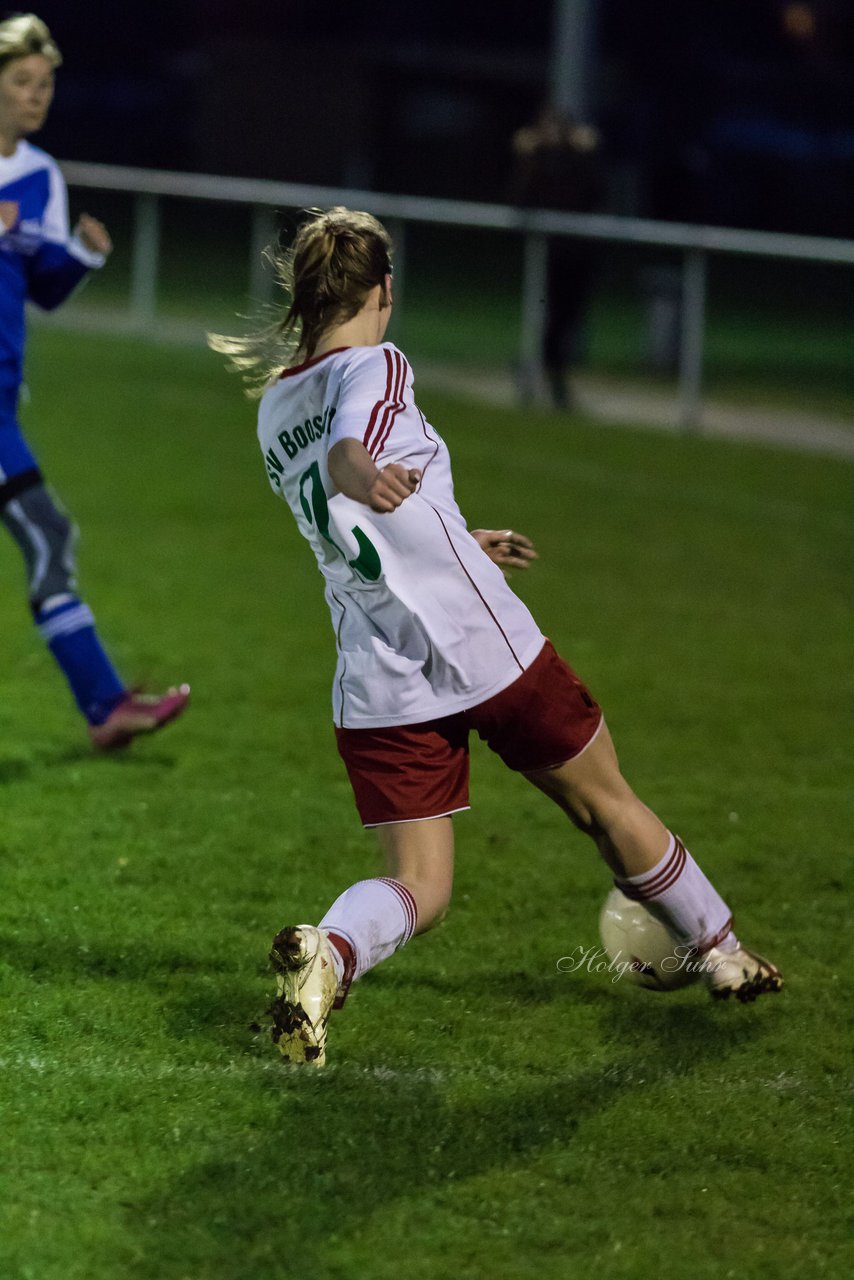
(675, 873)
(661, 881)
(347, 952)
(407, 902)
(716, 941)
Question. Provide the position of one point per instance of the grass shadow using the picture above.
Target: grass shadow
(14, 771)
(83, 754)
(345, 1145)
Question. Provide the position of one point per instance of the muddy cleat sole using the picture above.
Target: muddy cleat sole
(740, 974)
(138, 713)
(306, 987)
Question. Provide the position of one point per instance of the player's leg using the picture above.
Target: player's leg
(593, 793)
(548, 727)
(554, 331)
(365, 925)
(46, 537)
(569, 285)
(652, 866)
(420, 856)
(645, 857)
(407, 782)
(373, 918)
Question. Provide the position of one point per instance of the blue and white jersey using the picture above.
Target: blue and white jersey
(39, 262)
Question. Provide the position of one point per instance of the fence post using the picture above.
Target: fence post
(264, 232)
(691, 346)
(533, 315)
(144, 259)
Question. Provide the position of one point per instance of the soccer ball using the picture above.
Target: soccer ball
(633, 937)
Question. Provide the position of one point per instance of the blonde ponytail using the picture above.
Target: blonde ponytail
(336, 258)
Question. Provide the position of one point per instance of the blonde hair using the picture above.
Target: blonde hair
(24, 34)
(336, 258)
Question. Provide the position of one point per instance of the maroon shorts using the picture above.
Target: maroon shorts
(408, 772)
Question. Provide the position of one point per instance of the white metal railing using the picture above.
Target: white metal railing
(148, 186)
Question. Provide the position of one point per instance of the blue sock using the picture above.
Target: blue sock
(69, 629)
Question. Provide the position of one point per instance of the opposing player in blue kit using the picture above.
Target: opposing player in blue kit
(41, 263)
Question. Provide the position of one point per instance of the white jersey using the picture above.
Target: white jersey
(425, 622)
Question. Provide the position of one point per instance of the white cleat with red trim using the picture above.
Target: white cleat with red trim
(739, 973)
(306, 987)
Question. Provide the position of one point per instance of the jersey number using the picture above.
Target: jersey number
(316, 510)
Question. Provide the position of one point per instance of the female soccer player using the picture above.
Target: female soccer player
(40, 263)
(432, 643)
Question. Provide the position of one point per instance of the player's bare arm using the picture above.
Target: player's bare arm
(354, 473)
(506, 547)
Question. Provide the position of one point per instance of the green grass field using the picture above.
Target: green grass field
(483, 1115)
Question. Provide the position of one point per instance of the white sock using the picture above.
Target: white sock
(374, 917)
(678, 894)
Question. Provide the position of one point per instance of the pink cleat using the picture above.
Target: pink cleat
(138, 713)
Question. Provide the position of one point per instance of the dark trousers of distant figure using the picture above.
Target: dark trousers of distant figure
(570, 277)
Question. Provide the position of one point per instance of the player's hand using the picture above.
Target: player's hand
(93, 235)
(9, 211)
(391, 486)
(506, 547)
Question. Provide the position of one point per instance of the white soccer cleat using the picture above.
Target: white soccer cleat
(306, 987)
(740, 973)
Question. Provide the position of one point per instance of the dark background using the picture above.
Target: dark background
(737, 112)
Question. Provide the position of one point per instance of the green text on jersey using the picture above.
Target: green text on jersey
(294, 440)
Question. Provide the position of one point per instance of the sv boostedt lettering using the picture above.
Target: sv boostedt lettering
(294, 439)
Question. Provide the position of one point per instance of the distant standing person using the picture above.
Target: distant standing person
(41, 264)
(558, 165)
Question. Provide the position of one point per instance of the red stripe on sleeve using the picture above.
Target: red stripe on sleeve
(380, 404)
(399, 403)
